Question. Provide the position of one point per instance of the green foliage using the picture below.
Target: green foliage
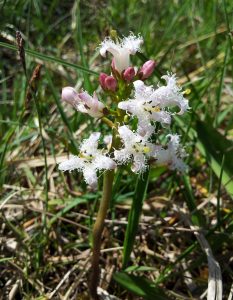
(140, 286)
(214, 146)
(191, 38)
(134, 216)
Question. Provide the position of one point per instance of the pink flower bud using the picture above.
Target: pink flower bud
(147, 69)
(70, 96)
(129, 74)
(102, 78)
(111, 83)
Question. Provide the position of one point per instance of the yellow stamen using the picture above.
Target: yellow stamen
(83, 155)
(146, 149)
(155, 109)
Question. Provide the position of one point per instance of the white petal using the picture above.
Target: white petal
(142, 90)
(96, 110)
(173, 154)
(120, 54)
(90, 105)
(139, 163)
(70, 96)
(126, 134)
(145, 129)
(161, 116)
(134, 106)
(122, 155)
(163, 156)
(90, 145)
(178, 164)
(90, 176)
(126, 105)
(122, 60)
(132, 43)
(81, 107)
(108, 44)
(103, 162)
(171, 95)
(74, 162)
(121, 50)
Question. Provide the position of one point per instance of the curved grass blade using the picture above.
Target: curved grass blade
(214, 145)
(49, 58)
(196, 216)
(140, 286)
(79, 44)
(134, 216)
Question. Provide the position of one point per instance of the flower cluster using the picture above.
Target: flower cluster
(90, 160)
(131, 98)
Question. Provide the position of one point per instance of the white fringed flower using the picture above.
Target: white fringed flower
(152, 104)
(136, 148)
(144, 107)
(171, 94)
(89, 161)
(83, 102)
(173, 155)
(121, 50)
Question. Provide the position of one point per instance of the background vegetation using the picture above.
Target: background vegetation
(47, 216)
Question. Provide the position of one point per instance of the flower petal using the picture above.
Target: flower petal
(139, 163)
(90, 176)
(122, 155)
(104, 162)
(90, 145)
(132, 43)
(74, 162)
(70, 96)
(126, 134)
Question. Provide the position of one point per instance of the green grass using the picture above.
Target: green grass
(47, 216)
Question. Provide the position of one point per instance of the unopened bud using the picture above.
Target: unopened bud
(129, 74)
(147, 69)
(102, 78)
(113, 34)
(111, 83)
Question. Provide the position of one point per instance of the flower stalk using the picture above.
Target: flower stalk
(100, 219)
(97, 233)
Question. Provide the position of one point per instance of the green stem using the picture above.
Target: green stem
(108, 122)
(97, 232)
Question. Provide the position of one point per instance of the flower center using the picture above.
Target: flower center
(139, 147)
(150, 108)
(86, 156)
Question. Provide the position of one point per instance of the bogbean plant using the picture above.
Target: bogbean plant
(133, 113)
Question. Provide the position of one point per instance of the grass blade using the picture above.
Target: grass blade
(78, 38)
(196, 216)
(140, 286)
(134, 215)
(213, 145)
(49, 58)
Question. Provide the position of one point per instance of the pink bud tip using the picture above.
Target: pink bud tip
(147, 69)
(111, 83)
(102, 78)
(69, 95)
(129, 74)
